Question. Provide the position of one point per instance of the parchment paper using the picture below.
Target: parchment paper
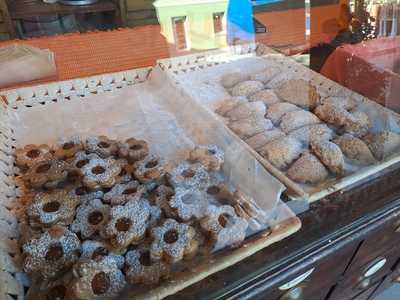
(158, 112)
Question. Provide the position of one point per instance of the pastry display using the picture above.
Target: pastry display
(306, 125)
(383, 144)
(308, 169)
(355, 149)
(127, 217)
(298, 92)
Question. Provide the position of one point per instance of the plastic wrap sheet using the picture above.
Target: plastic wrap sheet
(204, 86)
(171, 122)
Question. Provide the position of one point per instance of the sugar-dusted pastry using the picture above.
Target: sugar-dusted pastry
(101, 279)
(299, 92)
(172, 241)
(266, 75)
(128, 223)
(189, 176)
(332, 114)
(91, 218)
(47, 174)
(245, 207)
(250, 127)
(56, 289)
(83, 193)
(101, 145)
(31, 155)
(355, 149)
(210, 156)
(51, 254)
(96, 250)
(247, 88)
(261, 139)
(308, 169)
(82, 158)
(133, 150)
(330, 155)
(296, 119)
(345, 102)
(125, 175)
(224, 226)
(268, 97)
(227, 105)
(311, 133)
(282, 151)
(162, 196)
(140, 268)
(53, 207)
(100, 173)
(150, 169)
(123, 192)
(357, 123)
(276, 111)
(189, 203)
(231, 79)
(246, 110)
(68, 147)
(383, 144)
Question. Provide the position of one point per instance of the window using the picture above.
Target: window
(180, 31)
(217, 19)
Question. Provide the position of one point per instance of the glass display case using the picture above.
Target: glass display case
(149, 148)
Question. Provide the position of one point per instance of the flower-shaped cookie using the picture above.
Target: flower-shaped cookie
(149, 169)
(122, 193)
(83, 193)
(133, 150)
(95, 250)
(98, 279)
(189, 203)
(125, 175)
(46, 174)
(102, 146)
(173, 241)
(56, 206)
(128, 223)
(189, 176)
(209, 156)
(224, 226)
(67, 148)
(100, 173)
(54, 252)
(141, 269)
(91, 218)
(31, 155)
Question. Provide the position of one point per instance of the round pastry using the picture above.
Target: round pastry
(226, 105)
(247, 88)
(125, 175)
(81, 159)
(149, 169)
(246, 110)
(357, 123)
(296, 119)
(123, 192)
(224, 226)
(266, 75)
(67, 148)
(383, 144)
(250, 127)
(330, 155)
(49, 208)
(91, 218)
(47, 174)
(31, 155)
(209, 156)
(95, 250)
(189, 176)
(298, 92)
(100, 173)
(261, 139)
(312, 133)
(128, 223)
(54, 252)
(231, 79)
(83, 193)
(308, 169)
(101, 145)
(189, 203)
(355, 149)
(163, 195)
(98, 279)
(276, 111)
(133, 150)
(173, 241)
(141, 269)
(268, 97)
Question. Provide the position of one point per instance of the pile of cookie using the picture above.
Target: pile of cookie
(102, 213)
(300, 132)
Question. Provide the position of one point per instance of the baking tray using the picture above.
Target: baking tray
(200, 74)
(131, 88)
